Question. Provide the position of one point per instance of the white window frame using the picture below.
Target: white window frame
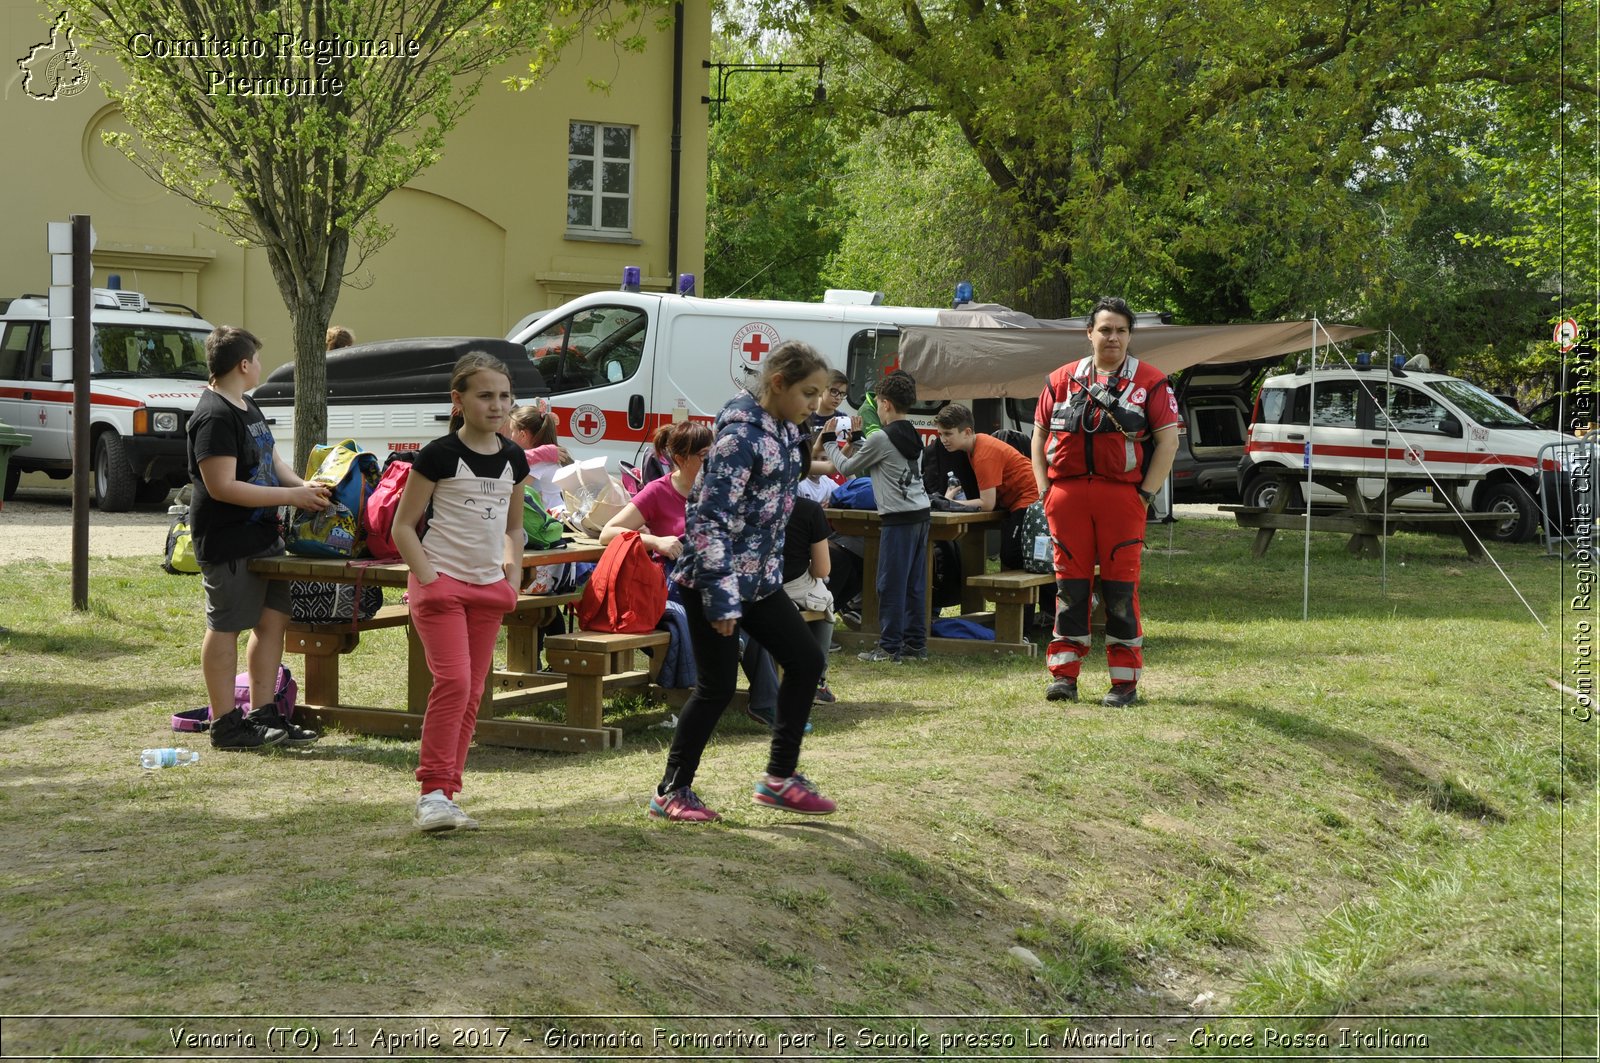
(597, 195)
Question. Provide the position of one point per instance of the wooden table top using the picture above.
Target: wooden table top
(394, 573)
(939, 517)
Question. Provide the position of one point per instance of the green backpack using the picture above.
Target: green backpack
(544, 531)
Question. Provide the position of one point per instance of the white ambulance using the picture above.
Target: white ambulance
(621, 364)
(615, 367)
(148, 369)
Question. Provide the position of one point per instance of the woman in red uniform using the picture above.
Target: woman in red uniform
(1105, 433)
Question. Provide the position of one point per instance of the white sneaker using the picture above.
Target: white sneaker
(463, 821)
(436, 812)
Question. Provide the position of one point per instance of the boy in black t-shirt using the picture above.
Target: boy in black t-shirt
(239, 482)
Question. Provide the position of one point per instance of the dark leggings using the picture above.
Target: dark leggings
(775, 623)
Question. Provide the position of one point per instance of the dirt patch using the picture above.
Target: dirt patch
(37, 526)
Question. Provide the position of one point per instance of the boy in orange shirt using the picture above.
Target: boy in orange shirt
(1005, 482)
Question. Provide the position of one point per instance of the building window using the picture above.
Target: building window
(600, 178)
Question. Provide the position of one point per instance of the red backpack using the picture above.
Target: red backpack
(627, 592)
(381, 507)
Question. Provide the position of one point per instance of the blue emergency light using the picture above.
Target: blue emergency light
(1363, 359)
(1399, 361)
(686, 284)
(963, 293)
(630, 278)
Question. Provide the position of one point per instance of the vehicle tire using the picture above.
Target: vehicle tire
(114, 485)
(152, 491)
(1521, 513)
(1262, 492)
(13, 475)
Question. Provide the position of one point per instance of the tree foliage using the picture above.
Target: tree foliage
(1134, 144)
(919, 216)
(1541, 149)
(771, 218)
(267, 122)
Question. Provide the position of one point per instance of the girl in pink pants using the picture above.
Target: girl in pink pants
(464, 571)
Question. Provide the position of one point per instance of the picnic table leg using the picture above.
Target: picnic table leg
(1361, 545)
(1470, 541)
(869, 583)
(419, 680)
(1263, 540)
(522, 642)
(322, 679)
(972, 544)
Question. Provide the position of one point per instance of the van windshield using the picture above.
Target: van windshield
(147, 351)
(1481, 406)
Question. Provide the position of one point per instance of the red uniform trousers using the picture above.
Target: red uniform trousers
(1096, 521)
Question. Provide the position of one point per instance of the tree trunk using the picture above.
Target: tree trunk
(310, 379)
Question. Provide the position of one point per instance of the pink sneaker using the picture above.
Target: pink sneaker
(794, 794)
(681, 805)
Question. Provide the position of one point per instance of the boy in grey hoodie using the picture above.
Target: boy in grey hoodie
(893, 458)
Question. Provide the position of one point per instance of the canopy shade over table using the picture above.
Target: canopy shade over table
(991, 352)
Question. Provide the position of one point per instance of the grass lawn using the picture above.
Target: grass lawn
(1325, 837)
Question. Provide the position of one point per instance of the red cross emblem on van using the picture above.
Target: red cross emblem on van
(751, 344)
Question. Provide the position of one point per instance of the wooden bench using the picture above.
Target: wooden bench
(1364, 529)
(597, 662)
(1011, 592)
(324, 644)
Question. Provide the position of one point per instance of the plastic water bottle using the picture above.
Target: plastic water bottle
(167, 758)
(952, 480)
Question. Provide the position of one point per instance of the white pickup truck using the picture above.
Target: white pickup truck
(148, 369)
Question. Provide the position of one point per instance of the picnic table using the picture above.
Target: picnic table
(519, 683)
(967, 528)
(1364, 519)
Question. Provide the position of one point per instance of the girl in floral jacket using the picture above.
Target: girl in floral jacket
(730, 574)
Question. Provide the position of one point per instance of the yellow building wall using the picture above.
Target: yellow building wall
(479, 239)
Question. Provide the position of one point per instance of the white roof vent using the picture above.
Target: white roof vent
(117, 299)
(852, 297)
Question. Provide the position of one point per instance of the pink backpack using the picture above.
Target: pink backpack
(285, 692)
(381, 507)
(628, 590)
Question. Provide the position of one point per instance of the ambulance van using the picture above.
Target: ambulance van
(615, 367)
(621, 364)
(147, 371)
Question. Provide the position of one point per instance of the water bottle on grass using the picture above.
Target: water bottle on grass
(167, 758)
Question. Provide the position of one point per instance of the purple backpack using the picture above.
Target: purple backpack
(285, 692)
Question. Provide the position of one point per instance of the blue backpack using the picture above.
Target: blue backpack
(854, 493)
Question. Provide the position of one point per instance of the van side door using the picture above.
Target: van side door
(15, 346)
(44, 406)
(1327, 414)
(1417, 432)
(600, 373)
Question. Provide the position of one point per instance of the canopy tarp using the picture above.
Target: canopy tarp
(991, 352)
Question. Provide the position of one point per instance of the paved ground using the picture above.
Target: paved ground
(38, 524)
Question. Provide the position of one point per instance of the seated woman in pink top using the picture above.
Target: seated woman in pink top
(656, 512)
